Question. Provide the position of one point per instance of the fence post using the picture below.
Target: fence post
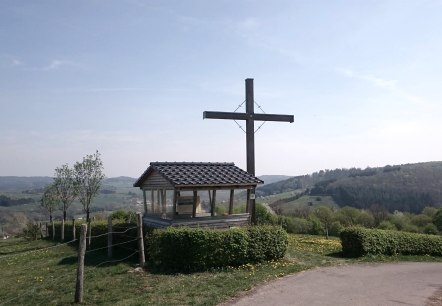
(140, 239)
(80, 268)
(62, 229)
(89, 229)
(73, 229)
(109, 236)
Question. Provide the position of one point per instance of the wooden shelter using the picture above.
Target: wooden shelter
(177, 189)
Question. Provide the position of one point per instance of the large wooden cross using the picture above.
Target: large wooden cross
(250, 117)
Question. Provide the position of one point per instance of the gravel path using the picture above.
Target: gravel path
(353, 285)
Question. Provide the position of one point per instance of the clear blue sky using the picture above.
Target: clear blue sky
(132, 78)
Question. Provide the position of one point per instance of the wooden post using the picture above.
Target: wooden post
(109, 236)
(248, 201)
(195, 198)
(145, 201)
(140, 239)
(80, 267)
(152, 200)
(174, 203)
(163, 201)
(73, 229)
(212, 205)
(89, 229)
(62, 229)
(158, 201)
(232, 192)
(53, 230)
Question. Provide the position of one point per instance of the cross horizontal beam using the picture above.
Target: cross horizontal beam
(245, 116)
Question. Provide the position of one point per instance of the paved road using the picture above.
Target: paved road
(353, 285)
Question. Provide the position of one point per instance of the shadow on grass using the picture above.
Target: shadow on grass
(339, 255)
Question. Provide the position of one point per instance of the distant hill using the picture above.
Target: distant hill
(22, 183)
(269, 179)
(408, 187)
(38, 183)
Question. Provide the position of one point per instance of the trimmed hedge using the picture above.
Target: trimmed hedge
(361, 241)
(197, 249)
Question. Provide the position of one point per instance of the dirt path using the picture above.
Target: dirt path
(355, 285)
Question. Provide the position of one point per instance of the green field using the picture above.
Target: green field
(43, 273)
(304, 202)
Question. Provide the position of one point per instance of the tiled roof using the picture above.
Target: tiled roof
(200, 174)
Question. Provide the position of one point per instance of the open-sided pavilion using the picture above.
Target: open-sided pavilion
(176, 189)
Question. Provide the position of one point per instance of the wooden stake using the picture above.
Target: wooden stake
(73, 229)
(89, 229)
(109, 236)
(80, 267)
(62, 229)
(140, 239)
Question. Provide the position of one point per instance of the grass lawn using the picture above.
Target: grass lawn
(47, 277)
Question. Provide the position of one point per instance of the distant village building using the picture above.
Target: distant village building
(176, 190)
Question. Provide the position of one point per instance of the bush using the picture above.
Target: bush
(387, 225)
(196, 249)
(295, 225)
(124, 216)
(335, 229)
(360, 241)
(31, 231)
(264, 217)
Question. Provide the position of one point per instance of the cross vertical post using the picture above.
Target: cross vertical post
(250, 144)
(250, 127)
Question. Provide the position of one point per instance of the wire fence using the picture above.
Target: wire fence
(38, 272)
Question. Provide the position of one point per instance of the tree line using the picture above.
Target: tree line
(7, 201)
(408, 188)
(327, 220)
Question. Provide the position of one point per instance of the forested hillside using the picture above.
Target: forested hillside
(409, 187)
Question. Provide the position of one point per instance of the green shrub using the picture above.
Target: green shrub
(360, 241)
(31, 231)
(266, 243)
(197, 249)
(263, 216)
(430, 229)
(387, 225)
(335, 229)
(295, 225)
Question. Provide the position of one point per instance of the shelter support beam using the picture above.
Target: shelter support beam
(232, 192)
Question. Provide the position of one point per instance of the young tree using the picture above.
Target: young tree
(64, 184)
(325, 215)
(88, 176)
(50, 199)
